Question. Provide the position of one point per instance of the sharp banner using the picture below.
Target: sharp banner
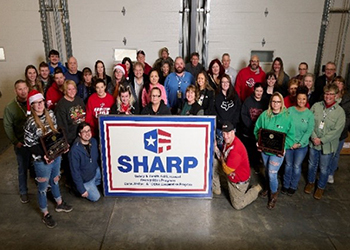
(169, 156)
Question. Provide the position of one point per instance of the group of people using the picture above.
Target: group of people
(63, 99)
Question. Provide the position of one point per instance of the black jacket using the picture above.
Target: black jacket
(227, 110)
(163, 109)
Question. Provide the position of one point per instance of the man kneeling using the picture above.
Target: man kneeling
(234, 162)
(83, 157)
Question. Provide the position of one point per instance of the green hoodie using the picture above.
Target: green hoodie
(282, 122)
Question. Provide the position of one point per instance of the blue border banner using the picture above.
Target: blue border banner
(160, 156)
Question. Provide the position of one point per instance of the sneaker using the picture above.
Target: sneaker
(284, 190)
(330, 179)
(291, 191)
(64, 207)
(49, 222)
(24, 198)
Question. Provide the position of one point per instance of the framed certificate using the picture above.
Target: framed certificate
(271, 141)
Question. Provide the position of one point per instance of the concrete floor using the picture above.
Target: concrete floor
(298, 222)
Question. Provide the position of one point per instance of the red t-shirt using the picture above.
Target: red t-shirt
(97, 106)
(236, 158)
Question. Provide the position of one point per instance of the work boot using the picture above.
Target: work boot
(318, 194)
(264, 193)
(272, 202)
(309, 187)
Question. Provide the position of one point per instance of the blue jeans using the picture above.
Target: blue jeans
(316, 158)
(334, 162)
(272, 165)
(23, 160)
(91, 186)
(292, 172)
(45, 175)
(219, 139)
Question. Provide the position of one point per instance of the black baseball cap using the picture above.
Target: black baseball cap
(227, 127)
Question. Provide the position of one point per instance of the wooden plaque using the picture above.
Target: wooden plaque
(54, 144)
(271, 141)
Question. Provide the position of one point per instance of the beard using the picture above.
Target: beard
(179, 70)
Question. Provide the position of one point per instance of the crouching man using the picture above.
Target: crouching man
(83, 157)
(234, 162)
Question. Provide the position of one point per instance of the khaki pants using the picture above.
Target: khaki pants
(239, 195)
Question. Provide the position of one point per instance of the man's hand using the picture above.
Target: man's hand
(85, 194)
(316, 141)
(19, 145)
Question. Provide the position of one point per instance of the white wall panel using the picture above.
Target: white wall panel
(21, 37)
(291, 30)
(98, 27)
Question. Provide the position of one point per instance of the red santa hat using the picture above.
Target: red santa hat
(33, 96)
(121, 67)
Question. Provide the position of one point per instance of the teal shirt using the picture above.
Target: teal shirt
(282, 122)
(303, 123)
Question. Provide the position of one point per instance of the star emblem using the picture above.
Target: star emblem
(150, 141)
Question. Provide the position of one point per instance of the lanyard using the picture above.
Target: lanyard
(325, 113)
(179, 80)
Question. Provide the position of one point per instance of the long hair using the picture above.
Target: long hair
(38, 85)
(281, 74)
(40, 125)
(222, 70)
(206, 82)
(269, 110)
(104, 69)
(117, 84)
(231, 92)
(127, 59)
(342, 80)
(147, 84)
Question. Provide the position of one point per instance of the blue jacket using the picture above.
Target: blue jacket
(83, 165)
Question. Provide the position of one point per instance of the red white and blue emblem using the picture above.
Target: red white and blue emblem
(157, 141)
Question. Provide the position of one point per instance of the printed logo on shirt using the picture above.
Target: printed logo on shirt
(226, 105)
(250, 82)
(77, 114)
(101, 110)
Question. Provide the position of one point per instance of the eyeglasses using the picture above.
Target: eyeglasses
(154, 96)
(86, 131)
(276, 101)
(329, 93)
(332, 69)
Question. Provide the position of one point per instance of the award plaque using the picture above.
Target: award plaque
(54, 144)
(271, 141)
